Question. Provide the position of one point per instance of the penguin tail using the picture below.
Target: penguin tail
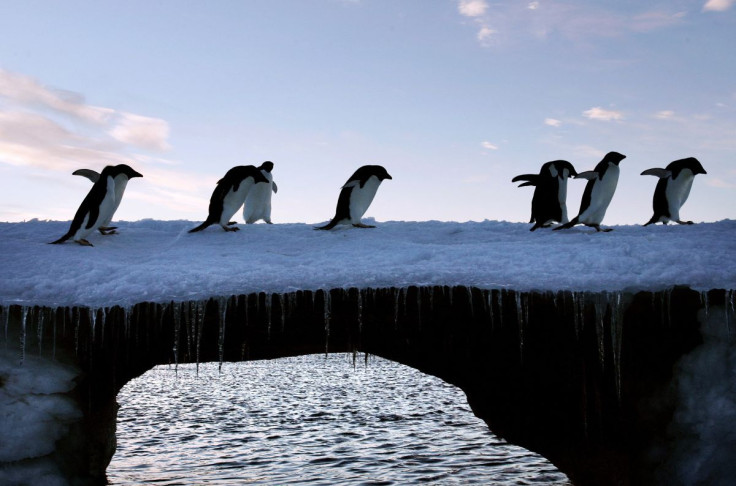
(567, 225)
(201, 227)
(62, 239)
(328, 226)
(651, 221)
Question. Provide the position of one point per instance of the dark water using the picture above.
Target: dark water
(309, 420)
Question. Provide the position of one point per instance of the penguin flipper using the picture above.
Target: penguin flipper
(275, 189)
(657, 172)
(525, 177)
(588, 174)
(529, 183)
(88, 173)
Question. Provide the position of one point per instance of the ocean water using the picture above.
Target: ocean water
(316, 420)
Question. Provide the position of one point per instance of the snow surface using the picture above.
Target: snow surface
(159, 261)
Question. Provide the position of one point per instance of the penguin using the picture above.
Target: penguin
(550, 192)
(258, 202)
(121, 181)
(672, 189)
(99, 204)
(598, 192)
(229, 195)
(356, 195)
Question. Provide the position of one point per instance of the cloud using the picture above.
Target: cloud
(489, 146)
(552, 122)
(472, 8)
(26, 91)
(598, 113)
(142, 131)
(485, 33)
(665, 115)
(718, 5)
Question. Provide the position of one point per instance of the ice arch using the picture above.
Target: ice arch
(582, 378)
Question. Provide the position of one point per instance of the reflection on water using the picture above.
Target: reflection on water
(309, 420)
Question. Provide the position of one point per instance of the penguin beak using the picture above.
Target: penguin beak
(388, 176)
(135, 174)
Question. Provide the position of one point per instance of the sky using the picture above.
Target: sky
(453, 97)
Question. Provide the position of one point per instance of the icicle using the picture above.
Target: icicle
(360, 311)
(267, 302)
(6, 319)
(704, 301)
(617, 326)
(39, 330)
(431, 299)
(103, 318)
(397, 293)
(92, 322)
(600, 310)
(578, 311)
(327, 316)
(419, 306)
(76, 316)
(199, 325)
(175, 314)
(729, 310)
(222, 307)
(499, 299)
(520, 321)
(404, 294)
(283, 299)
(489, 302)
(53, 320)
(24, 317)
(469, 291)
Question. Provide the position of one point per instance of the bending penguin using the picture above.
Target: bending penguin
(99, 204)
(550, 192)
(672, 189)
(229, 195)
(258, 202)
(121, 181)
(598, 192)
(356, 195)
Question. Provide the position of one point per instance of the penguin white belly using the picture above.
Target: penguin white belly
(601, 197)
(233, 200)
(677, 192)
(362, 197)
(121, 181)
(258, 202)
(107, 207)
(562, 198)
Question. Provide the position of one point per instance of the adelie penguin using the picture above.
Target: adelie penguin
(673, 188)
(598, 192)
(121, 181)
(258, 202)
(550, 192)
(356, 195)
(229, 195)
(99, 205)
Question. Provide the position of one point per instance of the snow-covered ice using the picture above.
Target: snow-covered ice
(159, 261)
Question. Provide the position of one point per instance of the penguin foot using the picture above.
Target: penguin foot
(684, 222)
(361, 225)
(84, 242)
(107, 231)
(269, 222)
(232, 223)
(231, 228)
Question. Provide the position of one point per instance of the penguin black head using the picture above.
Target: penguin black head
(267, 166)
(689, 163)
(556, 168)
(613, 158)
(124, 169)
(380, 172)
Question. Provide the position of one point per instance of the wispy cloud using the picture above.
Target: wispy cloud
(665, 115)
(142, 131)
(571, 20)
(552, 122)
(489, 146)
(718, 5)
(598, 113)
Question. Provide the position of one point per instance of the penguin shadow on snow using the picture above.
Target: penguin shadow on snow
(100, 204)
(229, 195)
(356, 196)
(673, 189)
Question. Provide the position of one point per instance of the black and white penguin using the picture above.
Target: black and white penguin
(258, 202)
(673, 188)
(550, 192)
(598, 192)
(356, 195)
(121, 182)
(99, 204)
(229, 195)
